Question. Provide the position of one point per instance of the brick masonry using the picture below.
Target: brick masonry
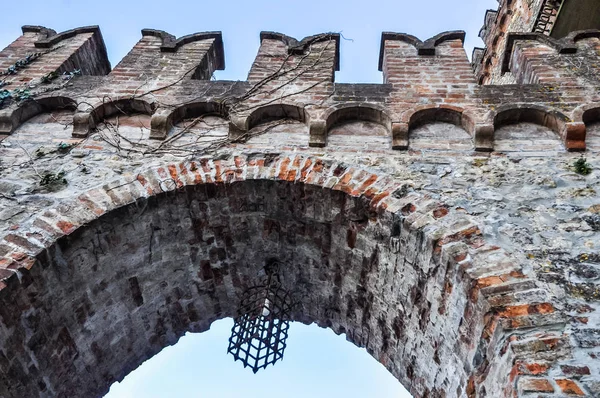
(511, 16)
(435, 221)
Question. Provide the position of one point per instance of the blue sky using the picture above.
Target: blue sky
(241, 22)
(318, 363)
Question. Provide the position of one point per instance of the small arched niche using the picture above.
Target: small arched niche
(591, 118)
(43, 124)
(34, 107)
(359, 129)
(199, 123)
(528, 130)
(438, 129)
(123, 122)
(278, 124)
(122, 107)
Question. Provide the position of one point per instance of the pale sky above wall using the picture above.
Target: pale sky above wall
(318, 363)
(242, 21)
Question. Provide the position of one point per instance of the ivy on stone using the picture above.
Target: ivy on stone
(20, 64)
(582, 167)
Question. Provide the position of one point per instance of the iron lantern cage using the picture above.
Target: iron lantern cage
(259, 334)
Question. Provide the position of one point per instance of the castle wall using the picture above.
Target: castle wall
(437, 222)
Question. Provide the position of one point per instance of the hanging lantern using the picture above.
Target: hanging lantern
(261, 328)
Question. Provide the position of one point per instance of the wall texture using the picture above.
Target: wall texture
(440, 223)
(535, 16)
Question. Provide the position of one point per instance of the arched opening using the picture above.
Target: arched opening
(358, 128)
(115, 292)
(528, 130)
(125, 131)
(289, 120)
(317, 363)
(196, 110)
(591, 118)
(436, 129)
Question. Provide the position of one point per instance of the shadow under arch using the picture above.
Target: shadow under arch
(589, 115)
(163, 120)
(83, 122)
(130, 267)
(15, 117)
(339, 115)
(274, 112)
(444, 114)
(363, 112)
(455, 116)
(536, 114)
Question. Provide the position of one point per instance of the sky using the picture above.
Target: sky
(360, 22)
(317, 363)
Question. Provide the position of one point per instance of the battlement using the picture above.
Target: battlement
(81, 48)
(161, 57)
(511, 16)
(428, 81)
(549, 18)
(534, 58)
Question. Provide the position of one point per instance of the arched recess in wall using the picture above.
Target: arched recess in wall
(83, 122)
(267, 124)
(135, 265)
(440, 128)
(198, 109)
(33, 107)
(591, 119)
(349, 127)
(195, 122)
(528, 128)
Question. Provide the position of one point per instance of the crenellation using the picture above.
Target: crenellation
(316, 58)
(158, 56)
(537, 59)
(81, 48)
(511, 16)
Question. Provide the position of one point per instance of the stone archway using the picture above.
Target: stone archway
(126, 269)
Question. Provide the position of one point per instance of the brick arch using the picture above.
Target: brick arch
(86, 120)
(588, 116)
(536, 114)
(245, 119)
(336, 115)
(362, 112)
(424, 114)
(397, 271)
(442, 113)
(164, 119)
(278, 111)
(587, 113)
(461, 137)
(571, 133)
(12, 118)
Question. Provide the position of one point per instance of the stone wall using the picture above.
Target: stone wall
(439, 223)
